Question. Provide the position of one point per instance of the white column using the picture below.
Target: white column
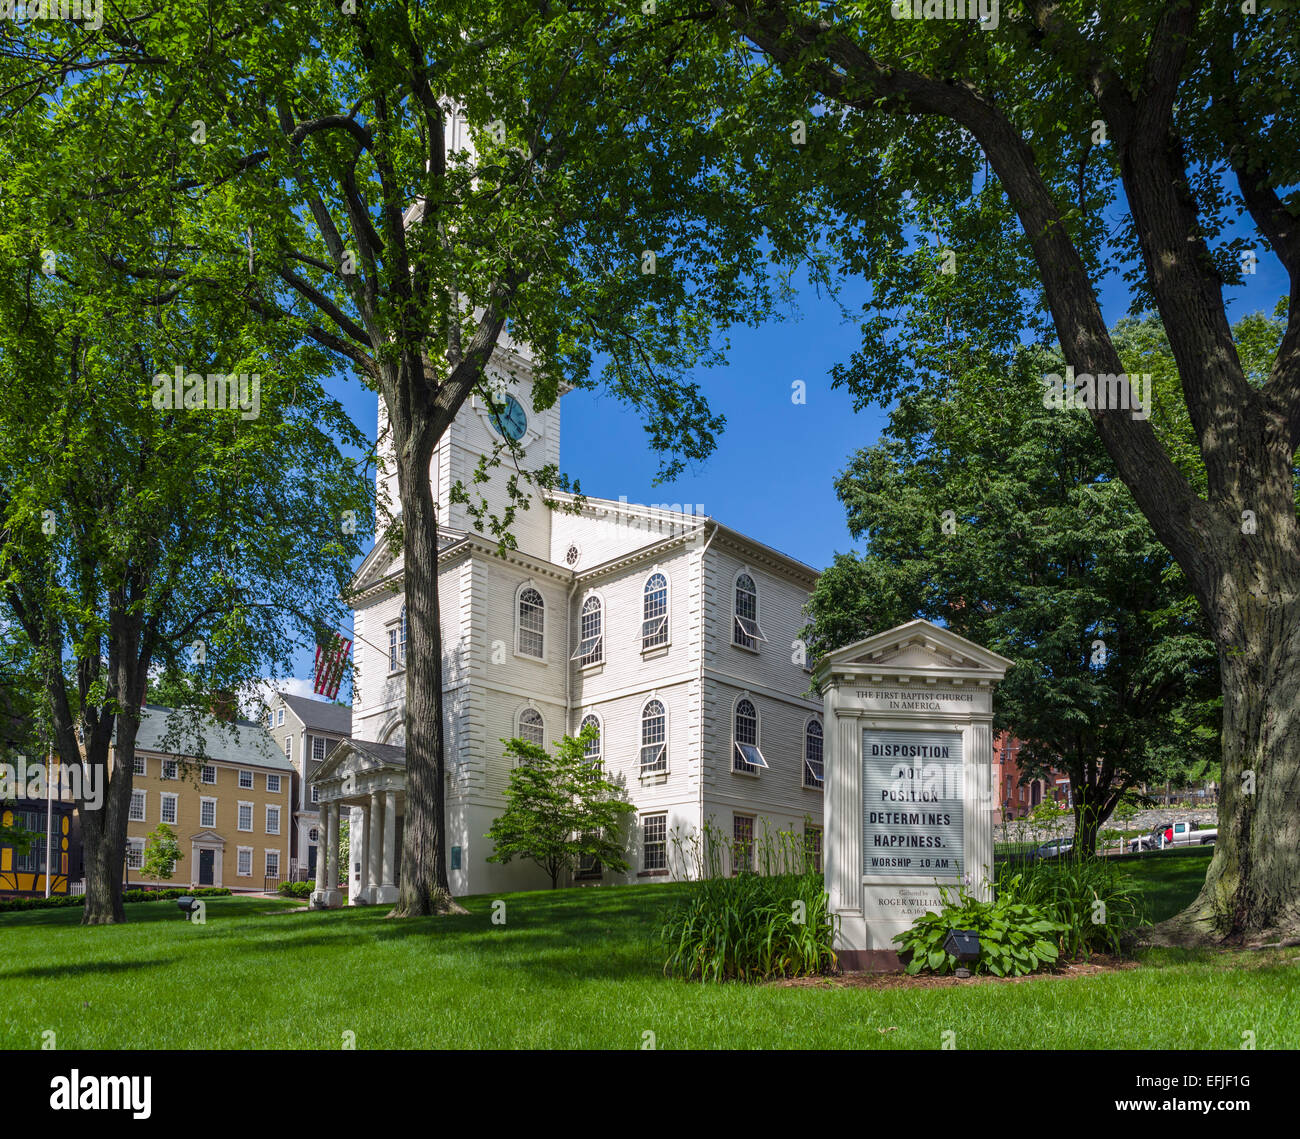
(326, 896)
(376, 834)
(386, 891)
(363, 825)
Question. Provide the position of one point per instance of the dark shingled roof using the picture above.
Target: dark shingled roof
(336, 718)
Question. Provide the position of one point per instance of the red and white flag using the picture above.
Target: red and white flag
(331, 659)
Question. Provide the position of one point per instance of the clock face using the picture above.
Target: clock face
(511, 421)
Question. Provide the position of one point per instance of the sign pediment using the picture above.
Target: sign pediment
(917, 649)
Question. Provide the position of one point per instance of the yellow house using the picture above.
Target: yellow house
(223, 788)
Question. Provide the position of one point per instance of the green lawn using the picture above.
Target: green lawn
(572, 968)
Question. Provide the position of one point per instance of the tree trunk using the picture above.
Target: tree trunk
(425, 887)
(1252, 889)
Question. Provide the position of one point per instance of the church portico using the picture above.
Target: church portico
(364, 784)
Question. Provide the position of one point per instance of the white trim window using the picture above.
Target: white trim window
(654, 841)
(812, 844)
(245, 817)
(746, 757)
(745, 629)
(167, 808)
(591, 750)
(136, 813)
(209, 773)
(532, 728)
(315, 793)
(288, 748)
(139, 766)
(207, 812)
(397, 643)
(591, 645)
(318, 749)
(272, 820)
(245, 780)
(244, 861)
(272, 784)
(279, 717)
(135, 853)
(272, 863)
(654, 738)
(742, 843)
(169, 769)
(530, 633)
(814, 770)
(654, 621)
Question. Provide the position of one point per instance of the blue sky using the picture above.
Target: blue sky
(772, 474)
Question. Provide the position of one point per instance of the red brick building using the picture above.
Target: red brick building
(1015, 798)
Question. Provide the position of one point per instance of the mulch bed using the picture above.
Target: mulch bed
(1092, 967)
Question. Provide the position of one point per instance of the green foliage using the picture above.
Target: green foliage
(1015, 937)
(297, 889)
(753, 926)
(560, 809)
(171, 893)
(1095, 902)
(161, 854)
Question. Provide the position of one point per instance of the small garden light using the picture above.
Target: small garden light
(963, 944)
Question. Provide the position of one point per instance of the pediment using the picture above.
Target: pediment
(209, 837)
(357, 758)
(916, 648)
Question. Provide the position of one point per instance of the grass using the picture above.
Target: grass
(575, 969)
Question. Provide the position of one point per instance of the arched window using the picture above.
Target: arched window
(531, 639)
(591, 750)
(397, 644)
(654, 737)
(746, 757)
(591, 648)
(746, 632)
(654, 623)
(814, 773)
(532, 727)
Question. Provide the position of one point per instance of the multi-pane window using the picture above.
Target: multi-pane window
(532, 624)
(244, 867)
(814, 772)
(273, 864)
(318, 748)
(169, 769)
(279, 717)
(747, 633)
(273, 784)
(315, 794)
(745, 756)
(812, 841)
(288, 748)
(654, 842)
(167, 809)
(136, 814)
(654, 737)
(135, 853)
(742, 842)
(588, 867)
(654, 624)
(138, 765)
(245, 816)
(209, 773)
(397, 644)
(591, 749)
(591, 646)
(246, 780)
(531, 727)
(272, 820)
(207, 812)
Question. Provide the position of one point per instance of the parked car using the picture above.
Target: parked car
(1053, 849)
(1183, 834)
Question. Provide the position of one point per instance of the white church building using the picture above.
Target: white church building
(676, 636)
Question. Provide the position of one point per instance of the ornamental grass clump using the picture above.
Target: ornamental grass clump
(753, 911)
(1094, 900)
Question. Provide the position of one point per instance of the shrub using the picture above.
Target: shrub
(1015, 937)
(139, 894)
(297, 889)
(1092, 898)
(752, 926)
